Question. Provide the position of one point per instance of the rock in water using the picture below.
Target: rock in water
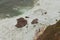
(35, 21)
(26, 17)
(21, 22)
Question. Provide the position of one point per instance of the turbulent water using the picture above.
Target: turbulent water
(47, 11)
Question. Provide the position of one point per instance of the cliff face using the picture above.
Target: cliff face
(52, 32)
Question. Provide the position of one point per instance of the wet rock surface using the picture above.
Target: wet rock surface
(26, 17)
(52, 32)
(21, 22)
(35, 21)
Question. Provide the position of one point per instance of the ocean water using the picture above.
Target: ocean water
(8, 30)
(11, 8)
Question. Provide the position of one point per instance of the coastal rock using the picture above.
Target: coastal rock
(21, 22)
(52, 32)
(35, 21)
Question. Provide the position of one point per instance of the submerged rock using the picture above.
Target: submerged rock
(21, 22)
(26, 17)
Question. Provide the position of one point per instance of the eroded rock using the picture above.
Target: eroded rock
(21, 22)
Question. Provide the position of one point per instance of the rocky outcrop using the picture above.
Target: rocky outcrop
(21, 22)
(52, 32)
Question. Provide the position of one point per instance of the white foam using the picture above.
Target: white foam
(8, 31)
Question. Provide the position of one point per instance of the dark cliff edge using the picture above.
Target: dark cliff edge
(52, 32)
